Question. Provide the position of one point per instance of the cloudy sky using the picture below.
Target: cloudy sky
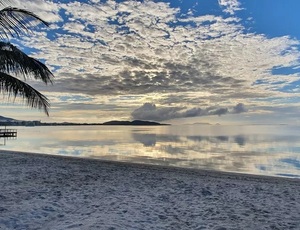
(177, 61)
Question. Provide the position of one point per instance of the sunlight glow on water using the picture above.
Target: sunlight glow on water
(263, 150)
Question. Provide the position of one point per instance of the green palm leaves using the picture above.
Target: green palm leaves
(15, 64)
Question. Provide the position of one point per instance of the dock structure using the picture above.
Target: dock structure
(8, 133)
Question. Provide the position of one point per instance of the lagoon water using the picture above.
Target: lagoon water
(253, 149)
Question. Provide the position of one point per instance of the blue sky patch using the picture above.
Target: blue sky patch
(286, 70)
(75, 98)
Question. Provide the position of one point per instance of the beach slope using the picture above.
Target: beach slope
(50, 192)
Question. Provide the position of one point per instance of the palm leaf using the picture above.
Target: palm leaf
(14, 61)
(15, 21)
(5, 2)
(15, 87)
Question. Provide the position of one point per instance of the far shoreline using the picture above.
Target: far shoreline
(108, 123)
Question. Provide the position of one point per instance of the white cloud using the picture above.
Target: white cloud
(150, 111)
(47, 10)
(107, 49)
(230, 6)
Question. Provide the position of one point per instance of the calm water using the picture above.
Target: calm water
(267, 150)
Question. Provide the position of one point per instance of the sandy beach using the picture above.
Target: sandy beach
(51, 192)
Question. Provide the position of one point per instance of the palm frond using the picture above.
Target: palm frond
(14, 61)
(15, 21)
(15, 87)
(5, 2)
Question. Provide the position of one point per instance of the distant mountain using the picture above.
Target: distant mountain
(135, 122)
(13, 122)
(7, 119)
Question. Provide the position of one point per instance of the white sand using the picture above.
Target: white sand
(48, 192)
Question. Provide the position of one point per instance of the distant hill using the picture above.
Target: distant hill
(7, 119)
(13, 122)
(135, 122)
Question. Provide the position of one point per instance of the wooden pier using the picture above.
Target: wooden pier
(8, 133)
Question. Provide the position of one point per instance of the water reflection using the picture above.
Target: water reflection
(3, 140)
(146, 139)
(269, 150)
(240, 140)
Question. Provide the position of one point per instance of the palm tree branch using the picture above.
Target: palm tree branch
(15, 21)
(14, 61)
(15, 87)
(5, 2)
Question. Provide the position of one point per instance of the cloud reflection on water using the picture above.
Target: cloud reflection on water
(257, 150)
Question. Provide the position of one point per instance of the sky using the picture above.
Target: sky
(175, 61)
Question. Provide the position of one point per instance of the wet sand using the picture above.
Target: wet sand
(51, 192)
